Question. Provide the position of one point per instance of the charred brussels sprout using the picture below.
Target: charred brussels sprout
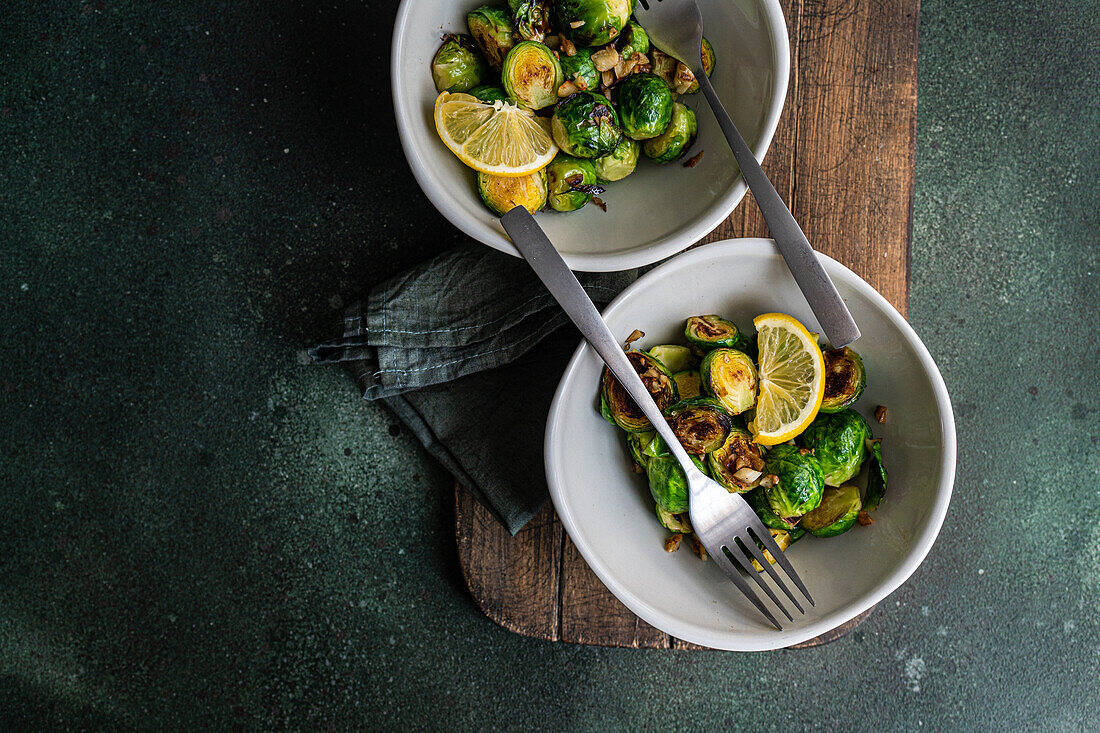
(676, 139)
(632, 40)
(571, 182)
(620, 162)
(585, 125)
(580, 69)
(492, 29)
(592, 22)
(617, 403)
(458, 65)
(489, 93)
(532, 74)
(674, 522)
(799, 482)
(737, 464)
(711, 332)
(835, 514)
(645, 106)
(688, 383)
(876, 477)
(676, 358)
(845, 379)
(729, 376)
(502, 194)
(532, 18)
(667, 481)
(837, 441)
(702, 424)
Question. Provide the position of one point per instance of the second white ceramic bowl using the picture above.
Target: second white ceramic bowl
(660, 209)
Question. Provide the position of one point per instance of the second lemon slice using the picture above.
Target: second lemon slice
(791, 377)
(496, 138)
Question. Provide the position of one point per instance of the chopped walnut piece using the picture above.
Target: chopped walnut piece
(865, 519)
(690, 162)
(697, 548)
(634, 336)
(672, 542)
(605, 59)
(880, 413)
(567, 88)
(568, 47)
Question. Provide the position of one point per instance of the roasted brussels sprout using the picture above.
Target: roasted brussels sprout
(676, 139)
(845, 379)
(799, 482)
(645, 106)
(837, 441)
(616, 402)
(702, 424)
(571, 182)
(489, 93)
(592, 22)
(676, 358)
(758, 502)
(876, 477)
(458, 65)
(677, 75)
(688, 383)
(502, 194)
(737, 464)
(585, 125)
(492, 29)
(637, 443)
(729, 376)
(835, 514)
(667, 481)
(782, 540)
(620, 162)
(580, 69)
(632, 40)
(532, 74)
(674, 522)
(711, 332)
(532, 18)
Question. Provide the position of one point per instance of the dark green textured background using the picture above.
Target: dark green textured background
(198, 531)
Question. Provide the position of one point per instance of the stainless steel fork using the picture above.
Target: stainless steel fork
(724, 522)
(676, 27)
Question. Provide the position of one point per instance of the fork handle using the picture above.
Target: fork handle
(544, 259)
(815, 284)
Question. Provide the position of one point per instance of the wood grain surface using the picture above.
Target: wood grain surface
(842, 158)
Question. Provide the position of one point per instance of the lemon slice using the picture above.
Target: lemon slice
(494, 137)
(792, 378)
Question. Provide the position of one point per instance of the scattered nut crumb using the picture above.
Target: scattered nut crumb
(672, 542)
(880, 413)
(690, 162)
(865, 519)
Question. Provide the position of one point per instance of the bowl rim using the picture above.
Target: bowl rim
(692, 232)
(766, 639)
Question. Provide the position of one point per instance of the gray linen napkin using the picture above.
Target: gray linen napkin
(450, 346)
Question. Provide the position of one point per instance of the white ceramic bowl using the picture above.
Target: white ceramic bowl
(656, 212)
(608, 512)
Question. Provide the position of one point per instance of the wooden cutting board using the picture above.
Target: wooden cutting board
(842, 158)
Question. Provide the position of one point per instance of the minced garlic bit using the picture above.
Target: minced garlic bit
(568, 47)
(605, 59)
(576, 24)
(567, 88)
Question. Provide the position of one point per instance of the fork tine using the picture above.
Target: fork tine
(756, 552)
(732, 573)
(765, 537)
(735, 554)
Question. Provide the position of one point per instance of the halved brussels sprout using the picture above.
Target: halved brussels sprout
(632, 40)
(592, 22)
(845, 379)
(502, 194)
(645, 106)
(532, 74)
(782, 539)
(585, 125)
(617, 403)
(580, 69)
(676, 358)
(737, 464)
(667, 481)
(489, 93)
(758, 502)
(676, 139)
(532, 18)
(677, 75)
(876, 477)
(674, 522)
(689, 383)
(492, 29)
(837, 441)
(637, 443)
(729, 376)
(571, 181)
(620, 162)
(799, 484)
(711, 332)
(458, 65)
(835, 514)
(702, 424)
